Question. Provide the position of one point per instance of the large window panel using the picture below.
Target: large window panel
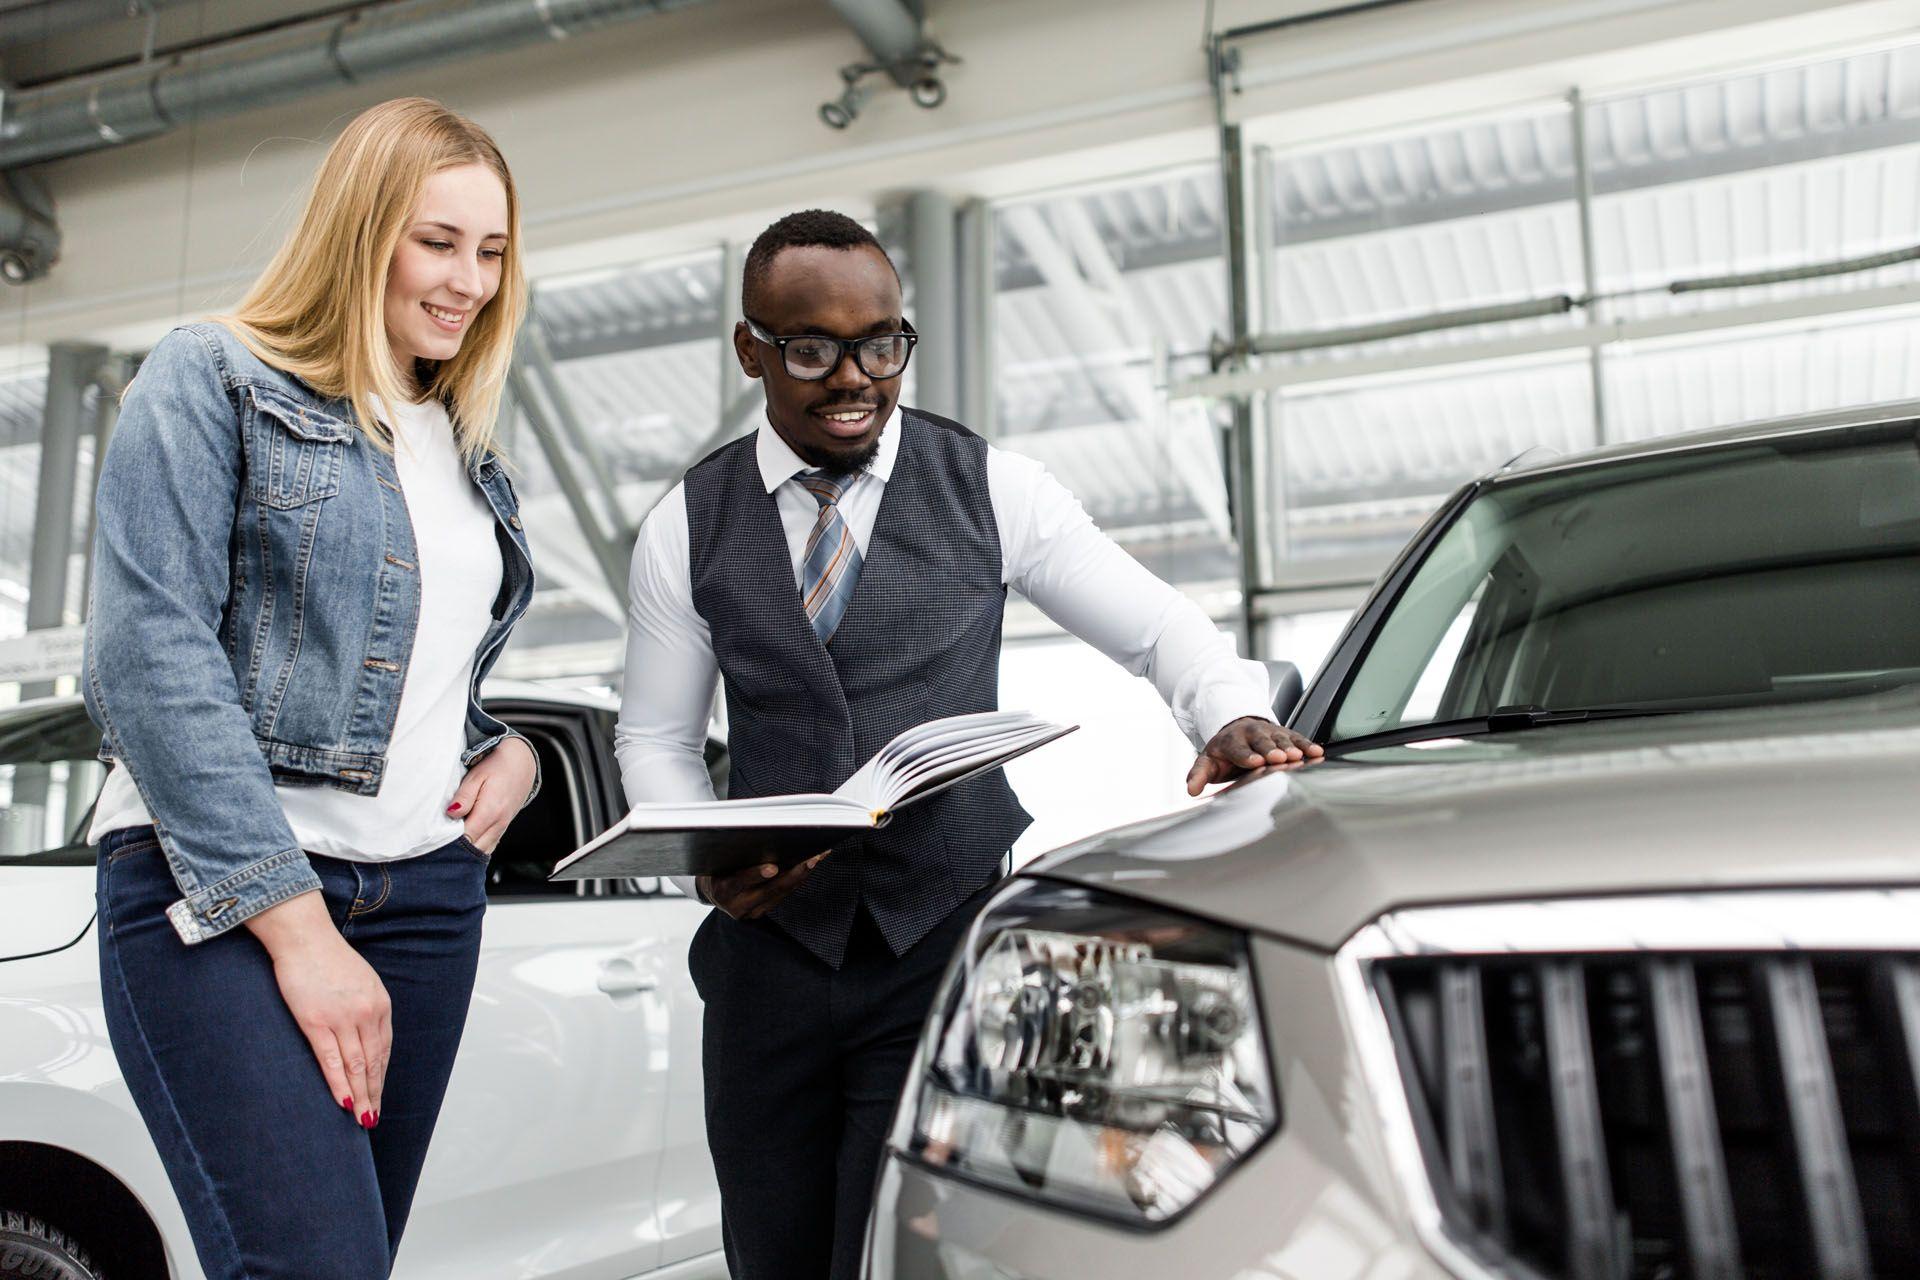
(23, 454)
(1784, 168)
(1305, 636)
(1471, 215)
(1830, 211)
(1810, 173)
(1100, 296)
(637, 351)
(1707, 380)
(1363, 464)
(624, 371)
(23, 394)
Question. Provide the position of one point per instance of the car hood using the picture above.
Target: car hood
(1799, 796)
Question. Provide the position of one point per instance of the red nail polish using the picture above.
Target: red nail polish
(366, 1119)
(376, 1117)
(454, 807)
(346, 1104)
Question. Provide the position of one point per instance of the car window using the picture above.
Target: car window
(579, 798)
(49, 779)
(1431, 685)
(556, 822)
(1750, 574)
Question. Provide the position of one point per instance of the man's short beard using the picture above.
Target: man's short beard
(841, 460)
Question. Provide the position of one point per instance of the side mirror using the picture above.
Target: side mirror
(1283, 678)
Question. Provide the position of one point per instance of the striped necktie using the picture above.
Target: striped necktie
(831, 564)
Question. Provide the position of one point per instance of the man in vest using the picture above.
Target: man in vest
(843, 571)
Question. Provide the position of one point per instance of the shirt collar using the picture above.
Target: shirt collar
(779, 463)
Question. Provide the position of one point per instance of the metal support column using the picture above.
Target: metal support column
(1583, 190)
(733, 266)
(931, 231)
(1269, 408)
(70, 372)
(71, 368)
(1241, 451)
(977, 284)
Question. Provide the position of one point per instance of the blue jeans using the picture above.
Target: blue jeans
(275, 1179)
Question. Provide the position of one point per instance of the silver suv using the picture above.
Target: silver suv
(1592, 950)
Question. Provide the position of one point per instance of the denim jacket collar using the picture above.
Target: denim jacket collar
(338, 408)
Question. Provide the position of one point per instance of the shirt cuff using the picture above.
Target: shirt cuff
(535, 752)
(475, 754)
(212, 911)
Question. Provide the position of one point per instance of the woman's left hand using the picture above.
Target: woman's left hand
(493, 791)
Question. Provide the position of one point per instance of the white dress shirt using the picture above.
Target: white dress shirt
(1050, 551)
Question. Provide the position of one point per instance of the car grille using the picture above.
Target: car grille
(1616, 1103)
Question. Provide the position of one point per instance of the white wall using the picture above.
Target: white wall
(681, 129)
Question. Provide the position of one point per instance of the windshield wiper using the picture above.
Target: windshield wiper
(1503, 720)
(1532, 716)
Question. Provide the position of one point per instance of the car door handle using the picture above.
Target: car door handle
(620, 978)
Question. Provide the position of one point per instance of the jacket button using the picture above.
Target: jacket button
(514, 521)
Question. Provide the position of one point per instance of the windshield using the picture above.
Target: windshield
(49, 780)
(1753, 574)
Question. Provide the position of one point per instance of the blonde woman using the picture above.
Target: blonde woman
(308, 558)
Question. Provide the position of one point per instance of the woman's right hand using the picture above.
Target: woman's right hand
(335, 997)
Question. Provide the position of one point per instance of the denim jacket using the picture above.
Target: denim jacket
(253, 605)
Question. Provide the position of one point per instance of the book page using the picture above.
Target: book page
(762, 811)
(873, 784)
(907, 773)
(931, 755)
(956, 760)
(922, 738)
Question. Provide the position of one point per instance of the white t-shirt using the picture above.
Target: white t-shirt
(460, 568)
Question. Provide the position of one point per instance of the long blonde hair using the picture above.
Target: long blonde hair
(317, 311)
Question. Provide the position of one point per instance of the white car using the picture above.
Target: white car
(573, 1142)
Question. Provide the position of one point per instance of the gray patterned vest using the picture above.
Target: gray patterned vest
(920, 640)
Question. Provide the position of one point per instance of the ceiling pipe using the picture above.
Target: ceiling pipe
(91, 113)
(891, 31)
(49, 18)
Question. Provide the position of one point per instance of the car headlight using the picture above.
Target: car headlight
(1094, 1053)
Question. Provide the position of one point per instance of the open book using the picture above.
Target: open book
(714, 837)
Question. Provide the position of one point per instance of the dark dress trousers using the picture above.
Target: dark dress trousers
(812, 1012)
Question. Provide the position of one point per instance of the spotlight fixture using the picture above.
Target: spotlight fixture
(918, 73)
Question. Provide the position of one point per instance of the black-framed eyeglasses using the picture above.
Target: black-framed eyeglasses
(810, 357)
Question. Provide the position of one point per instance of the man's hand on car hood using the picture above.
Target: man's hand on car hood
(1247, 743)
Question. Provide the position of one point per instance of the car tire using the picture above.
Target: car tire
(32, 1250)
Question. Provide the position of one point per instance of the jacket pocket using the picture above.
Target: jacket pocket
(295, 455)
